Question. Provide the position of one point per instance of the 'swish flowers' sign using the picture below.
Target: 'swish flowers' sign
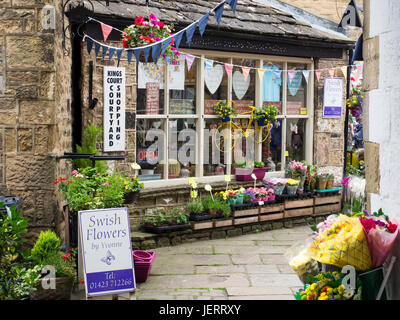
(333, 97)
(106, 251)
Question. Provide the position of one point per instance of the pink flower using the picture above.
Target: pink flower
(153, 17)
(106, 184)
(74, 172)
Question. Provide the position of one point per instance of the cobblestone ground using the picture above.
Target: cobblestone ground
(251, 266)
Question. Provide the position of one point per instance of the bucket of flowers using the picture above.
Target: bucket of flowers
(225, 110)
(292, 186)
(147, 31)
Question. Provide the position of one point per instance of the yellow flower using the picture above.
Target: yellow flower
(193, 194)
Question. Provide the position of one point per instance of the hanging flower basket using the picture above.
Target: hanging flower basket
(225, 110)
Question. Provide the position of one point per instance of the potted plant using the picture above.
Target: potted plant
(266, 115)
(322, 180)
(261, 194)
(47, 252)
(259, 169)
(243, 170)
(278, 184)
(225, 110)
(132, 187)
(298, 170)
(211, 205)
(292, 186)
(330, 181)
(195, 207)
(271, 194)
(147, 31)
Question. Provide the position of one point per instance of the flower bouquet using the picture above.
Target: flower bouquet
(147, 31)
(278, 184)
(381, 235)
(261, 194)
(355, 105)
(292, 186)
(225, 110)
(297, 170)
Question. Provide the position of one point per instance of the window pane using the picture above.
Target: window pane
(272, 147)
(182, 148)
(296, 91)
(150, 148)
(244, 147)
(272, 85)
(214, 157)
(182, 86)
(150, 92)
(243, 90)
(295, 139)
(215, 84)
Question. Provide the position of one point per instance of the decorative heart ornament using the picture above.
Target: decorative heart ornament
(213, 78)
(294, 86)
(240, 86)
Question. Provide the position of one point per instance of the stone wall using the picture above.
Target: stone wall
(34, 85)
(329, 133)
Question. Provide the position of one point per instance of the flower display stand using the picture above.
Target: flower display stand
(299, 208)
(327, 205)
(272, 212)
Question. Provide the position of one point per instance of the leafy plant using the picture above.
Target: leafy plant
(89, 140)
(195, 206)
(47, 244)
(225, 209)
(268, 113)
(64, 263)
(210, 203)
(224, 109)
(259, 164)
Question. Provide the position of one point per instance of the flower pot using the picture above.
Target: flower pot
(260, 173)
(239, 199)
(62, 291)
(321, 183)
(291, 190)
(232, 200)
(131, 197)
(143, 261)
(243, 174)
(279, 189)
(329, 183)
(271, 198)
(226, 119)
(262, 122)
(212, 211)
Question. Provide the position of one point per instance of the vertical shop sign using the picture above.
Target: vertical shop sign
(152, 97)
(114, 109)
(333, 97)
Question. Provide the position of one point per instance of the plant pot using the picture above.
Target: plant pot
(232, 200)
(292, 190)
(271, 198)
(321, 183)
(260, 173)
(262, 122)
(279, 189)
(239, 199)
(131, 197)
(329, 183)
(212, 211)
(143, 261)
(243, 174)
(226, 119)
(62, 291)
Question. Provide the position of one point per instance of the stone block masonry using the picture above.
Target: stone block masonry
(35, 91)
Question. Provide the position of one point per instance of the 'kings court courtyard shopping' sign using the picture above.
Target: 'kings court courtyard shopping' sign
(106, 251)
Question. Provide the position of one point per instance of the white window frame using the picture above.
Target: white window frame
(200, 117)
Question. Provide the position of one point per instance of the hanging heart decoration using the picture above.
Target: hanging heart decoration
(213, 78)
(240, 85)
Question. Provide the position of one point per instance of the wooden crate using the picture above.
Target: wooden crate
(272, 208)
(245, 220)
(327, 209)
(299, 203)
(222, 223)
(300, 212)
(246, 212)
(326, 200)
(202, 225)
(270, 217)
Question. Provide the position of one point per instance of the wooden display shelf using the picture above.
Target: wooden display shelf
(299, 212)
(326, 200)
(246, 212)
(327, 209)
(272, 208)
(290, 204)
(270, 217)
(202, 225)
(223, 223)
(246, 220)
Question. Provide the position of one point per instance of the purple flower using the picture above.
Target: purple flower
(345, 182)
(153, 17)
(249, 193)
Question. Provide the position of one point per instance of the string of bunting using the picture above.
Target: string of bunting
(159, 47)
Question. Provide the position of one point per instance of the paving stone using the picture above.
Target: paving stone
(292, 236)
(285, 268)
(251, 249)
(275, 280)
(185, 249)
(246, 259)
(220, 269)
(261, 268)
(273, 259)
(257, 291)
(170, 270)
(192, 260)
(266, 297)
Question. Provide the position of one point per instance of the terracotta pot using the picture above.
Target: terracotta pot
(212, 211)
(321, 183)
(62, 291)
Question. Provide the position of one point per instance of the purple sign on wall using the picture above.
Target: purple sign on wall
(333, 97)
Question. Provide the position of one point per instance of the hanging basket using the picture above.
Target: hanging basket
(262, 122)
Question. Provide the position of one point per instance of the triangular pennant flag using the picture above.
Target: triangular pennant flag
(306, 74)
(119, 53)
(106, 30)
(203, 23)
(233, 3)
(318, 74)
(111, 53)
(291, 74)
(165, 44)
(105, 48)
(218, 12)
(96, 48)
(246, 71)
(146, 52)
(331, 72)
(351, 16)
(260, 73)
(228, 68)
(278, 75)
(189, 61)
(178, 38)
(344, 71)
(189, 34)
(129, 55)
(209, 64)
(89, 45)
(137, 54)
(156, 51)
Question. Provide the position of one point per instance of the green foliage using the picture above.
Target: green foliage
(157, 220)
(90, 137)
(268, 113)
(225, 208)
(177, 216)
(195, 206)
(259, 164)
(224, 109)
(210, 203)
(64, 263)
(46, 245)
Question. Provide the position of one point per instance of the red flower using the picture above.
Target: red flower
(368, 224)
(125, 43)
(55, 182)
(139, 20)
(391, 228)
(81, 281)
(160, 24)
(147, 38)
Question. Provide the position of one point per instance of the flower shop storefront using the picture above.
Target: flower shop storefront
(239, 92)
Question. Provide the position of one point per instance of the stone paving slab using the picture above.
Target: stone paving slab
(191, 259)
(220, 269)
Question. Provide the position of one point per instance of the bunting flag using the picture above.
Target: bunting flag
(233, 3)
(111, 53)
(137, 54)
(119, 53)
(228, 68)
(105, 48)
(146, 52)
(291, 75)
(351, 16)
(106, 29)
(306, 74)
(331, 72)
(260, 73)
(208, 64)
(156, 52)
(130, 52)
(189, 61)
(165, 44)
(203, 23)
(178, 38)
(359, 70)
(89, 45)
(318, 74)
(218, 13)
(344, 71)
(189, 34)
(246, 71)
(96, 48)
